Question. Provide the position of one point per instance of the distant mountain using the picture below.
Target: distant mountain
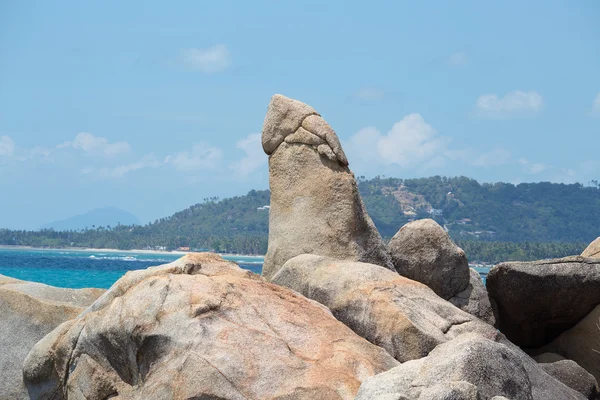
(106, 216)
(493, 221)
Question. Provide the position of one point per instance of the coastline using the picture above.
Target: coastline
(133, 251)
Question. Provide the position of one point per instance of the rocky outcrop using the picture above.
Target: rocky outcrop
(593, 250)
(423, 251)
(575, 377)
(537, 301)
(474, 299)
(315, 204)
(403, 316)
(201, 328)
(29, 311)
(469, 367)
(581, 344)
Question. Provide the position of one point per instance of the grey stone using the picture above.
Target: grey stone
(537, 301)
(548, 358)
(581, 343)
(574, 376)
(474, 299)
(403, 316)
(201, 328)
(29, 311)
(423, 251)
(315, 204)
(468, 367)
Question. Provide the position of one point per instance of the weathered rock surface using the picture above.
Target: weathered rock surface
(580, 344)
(574, 376)
(201, 328)
(539, 300)
(315, 204)
(545, 358)
(403, 316)
(474, 299)
(29, 311)
(469, 367)
(593, 250)
(423, 251)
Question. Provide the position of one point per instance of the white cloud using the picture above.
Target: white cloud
(148, 161)
(7, 146)
(213, 59)
(533, 168)
(254, 158)
(457, 59)
(596, 106)
(537, 168)
(89, 143)
(201, 156)
(491, 159)
(513, 103)
(369, 94)
(410, 143)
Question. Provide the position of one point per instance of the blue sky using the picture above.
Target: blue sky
(153, 106)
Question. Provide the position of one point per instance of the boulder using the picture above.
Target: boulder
(581, 344)
(469, 367)
(315, 204)
(575, 377)
(403, 316)
(474, 299)
(593, 250)
(537, 301)
(29, 311)
(423, 251)
(545, 358)
(201, 328)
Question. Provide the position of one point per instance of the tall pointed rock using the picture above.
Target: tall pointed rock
(315, 204)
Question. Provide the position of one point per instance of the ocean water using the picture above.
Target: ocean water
(80, 269)
(98, 269)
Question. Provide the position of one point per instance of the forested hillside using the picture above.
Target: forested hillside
(492, 222)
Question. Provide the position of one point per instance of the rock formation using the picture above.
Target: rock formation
(575, 377)
(403, 316)
(474, 299)
(29, 311)
(315, 204)
(423, 251)
(469, 367)
(537, 301)
(593, 250)
(581, 344)
(201, 328)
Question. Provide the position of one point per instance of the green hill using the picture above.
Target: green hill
(492, 222)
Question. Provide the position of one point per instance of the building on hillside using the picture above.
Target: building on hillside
(436, 212)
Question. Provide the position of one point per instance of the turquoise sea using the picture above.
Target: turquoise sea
(83, 268)
(98, 269)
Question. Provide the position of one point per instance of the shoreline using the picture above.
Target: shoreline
(133, 251)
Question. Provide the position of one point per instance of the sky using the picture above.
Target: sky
(154, 106)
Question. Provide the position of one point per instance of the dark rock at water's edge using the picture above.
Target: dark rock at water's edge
(315, 204)
(201, 328)
(537, 301)
(29, 311)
